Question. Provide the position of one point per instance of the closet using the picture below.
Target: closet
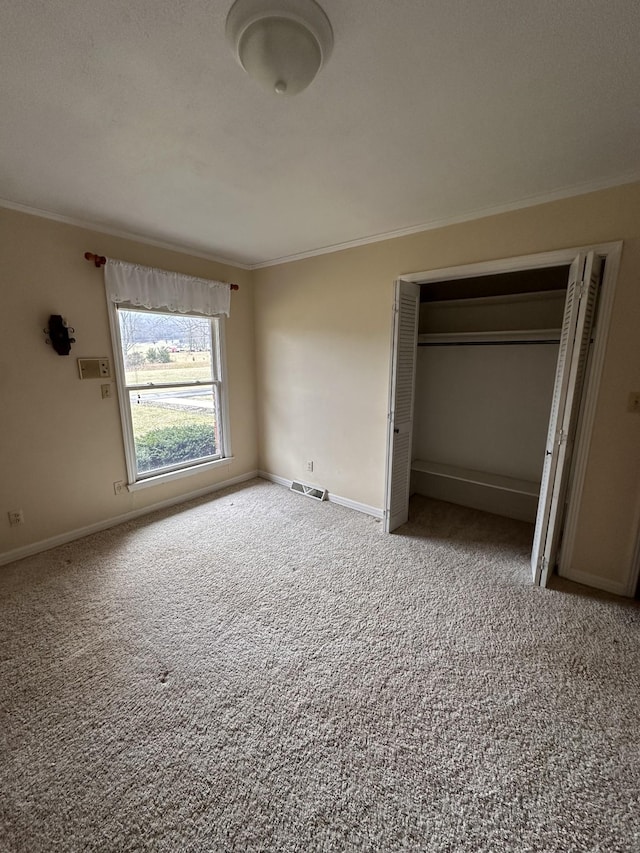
(494, 376)
(486, 361)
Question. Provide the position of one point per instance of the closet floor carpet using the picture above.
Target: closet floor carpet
(257, 671)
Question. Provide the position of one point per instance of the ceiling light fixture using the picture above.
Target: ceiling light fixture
(280, 43)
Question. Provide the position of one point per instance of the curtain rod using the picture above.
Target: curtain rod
(100, 261)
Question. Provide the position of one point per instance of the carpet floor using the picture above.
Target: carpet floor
(257, 671)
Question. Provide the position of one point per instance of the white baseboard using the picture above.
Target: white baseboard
(375, 511)
(80, 532)
(595, 581)
(273, 478)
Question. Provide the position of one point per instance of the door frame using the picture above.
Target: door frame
(611, 253)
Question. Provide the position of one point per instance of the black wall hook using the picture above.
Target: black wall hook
(58, 334)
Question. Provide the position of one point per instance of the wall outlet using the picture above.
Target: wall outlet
(633, 404)
(106, 390)
(16, 516)
(310, 466)
(118, 487)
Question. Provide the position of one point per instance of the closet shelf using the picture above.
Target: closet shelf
(499, 299)
(480, 478)
(507, 336)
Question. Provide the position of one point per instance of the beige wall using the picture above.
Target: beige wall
(61, 443)
(323, 342)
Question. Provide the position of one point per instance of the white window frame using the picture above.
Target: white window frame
(138, 480)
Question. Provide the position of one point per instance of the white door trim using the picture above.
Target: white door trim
(612, 253)
(521, 262)
(589, 399)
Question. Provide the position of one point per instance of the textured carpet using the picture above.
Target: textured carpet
(257, 671)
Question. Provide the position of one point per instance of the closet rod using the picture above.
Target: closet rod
(484, 343)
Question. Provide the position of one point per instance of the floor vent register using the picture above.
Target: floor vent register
(309, 491)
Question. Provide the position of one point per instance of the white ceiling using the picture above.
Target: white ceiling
(135, 117)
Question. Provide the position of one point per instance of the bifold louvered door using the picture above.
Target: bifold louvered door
(402, 390)
(582, 292)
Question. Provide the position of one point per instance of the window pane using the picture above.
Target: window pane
(163, 348)
(174, 426)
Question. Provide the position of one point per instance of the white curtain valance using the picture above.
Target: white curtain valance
(151, 288)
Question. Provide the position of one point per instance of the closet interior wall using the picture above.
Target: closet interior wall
(486, 364)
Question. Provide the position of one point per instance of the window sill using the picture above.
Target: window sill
(159, 479)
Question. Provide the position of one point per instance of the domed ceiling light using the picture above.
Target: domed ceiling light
(280, 43)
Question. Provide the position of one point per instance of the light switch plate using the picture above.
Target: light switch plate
(94, 368)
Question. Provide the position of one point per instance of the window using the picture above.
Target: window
(172, 390)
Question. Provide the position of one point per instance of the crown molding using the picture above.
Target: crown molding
(478, 213)
(430, 225)
(115, 232)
